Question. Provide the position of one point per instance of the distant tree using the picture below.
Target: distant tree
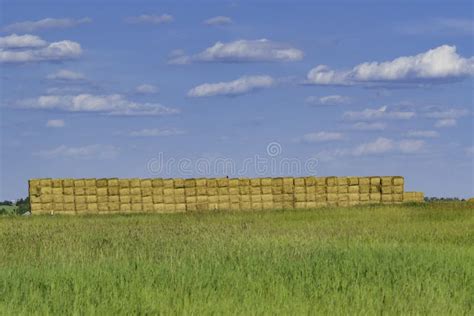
(9, 203)
(23, 206)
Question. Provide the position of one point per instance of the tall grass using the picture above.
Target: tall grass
(407, 259)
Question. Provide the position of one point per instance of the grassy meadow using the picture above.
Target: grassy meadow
(402, 259)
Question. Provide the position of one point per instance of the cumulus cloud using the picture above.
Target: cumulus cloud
(381, 113)
(446, 123)
(156, 132)
(423, 134)
(243, 51)
(328, 100)
(30, 48)
(440, 64)
(379, 146)
(95, 151)
(113, 104)
(67, 75)
(146, 89)
(55, 123)
(319, 137)
(151, 19)
(48, 23)
(14, 41)
(218, 20)
(366, 126)
(239, 86)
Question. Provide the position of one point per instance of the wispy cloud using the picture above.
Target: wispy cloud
(87, 152)
(67, 75)
(422, 134)
(55, 123)
(329, 100)
(446, 123)
(47, 23)
(242, 51)
(441, 64)
(156, 132)
(319, 137)
(437, 26)
(218, 20)
(150, 19)
(146, 89)
(366, 126)
(239, 86)
(113, 104)
(29, 48)
(383, 112)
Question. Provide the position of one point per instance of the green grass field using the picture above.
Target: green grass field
(405, 259)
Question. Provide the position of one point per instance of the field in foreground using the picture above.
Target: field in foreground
(415, 259)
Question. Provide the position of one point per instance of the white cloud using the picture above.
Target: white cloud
(152, 19)
(146, 89)
(85, 152)
(36, 49)
(328, 100)
(365, 126)
(423, 134)
(319, 137)
(113, 104)
(379, 146)
(48, 23)
(243, 51)
(155, 132)
(380, 113)
(239, 86)
(218, 20)
(446, 123)
(436, 65)
(55, 123)
(65, 74)
(446, 114)
(21, 41)
(438, 26)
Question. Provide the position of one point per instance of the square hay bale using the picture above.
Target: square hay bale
(212, 191)
(256, 198)
(375, 181)
(46, 190)
(375, 189)
(354, 189)
(244, 190)
(68, 183)
(113, 190)
(266, 190)
(114, 207)
(91, 198)
(135, 191)
(158, 199)
(234, 191)
(201, 191)
(224, 206)
(364, 181)
(277, 205)
(103, 207)
(147, 191)
(169, 208)
(364, 189)
(191, 200)
(300, 204)
(343, 203)
(300, 197)
(300, 190)
(322, 204)
(244, 182)
(288, 181)
(91, 207)
(398, 181)
(234, 206)
(364, 197)
(101, 183)
(68, 191)
(148, 207)
(266, 182)
(190, 191)
(267, 205)
(91, 190)
(223, 182)
(386, 189)
(310, 181)
(158, 207)
(343, 197)
(310, 197)
(332, 197)
(57, 191)
(277, 190)
(145, 183)
(288, 197)
(342, 181)
(397, 197)
(323, 189)
(136, 199)
(135, 183)
(223, 191)
(147, 200)
(90, 183)
(113, 199)
(386, 181)
(180, 199)
(288, 205)
(213, 199)
(353, 181)
(124, 183)
(168, 183)
(78, 199)
(46, 198)
(331, 181)
(354, 197)
(212, 183)
(190, 183)
(321, 197)
(397, 189)
(277, 182)
(321, 181)
(68, 199)
(202, 207)
(342, 189)
(191, 207)
(255, 182)
(267, 198)
(288, 189)
(37, 199)
(168, 191)
(124, 191)
(34, 183)
(36, 208)
(179, 191)
(278, 198)
(386, 198)
(46, 182)
(102, 191)
(257, 206)
(137, 207)
(202, 199)
(245, 206)
(234, 199)
(234, 183)
(375, 197)
(157, 191)
(256, 190)
(245, 198)
(299, 182)
(311, 190)
(56, 183)
(113, 182)
(125, 199)
(201, 183)
(58, 207)
(81, 207)
(157, 183)
(311, 204)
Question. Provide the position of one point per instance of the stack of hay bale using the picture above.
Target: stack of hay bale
(413, 197)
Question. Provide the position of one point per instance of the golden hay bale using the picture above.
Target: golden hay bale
(102, 199)
(322, 203)
(342, 181)
(266, 182)
(113, 199)
(169, 208)
(46, 198)
(300, 189)
(277, 198)
(354, 197)
(311, 204)
(234, 206)
(190, 191)
(180, 199)
(364, 181)
(34, 183)
(276, 205)
(158, 199)
(342, 189)
(113, 190)
(125, 207)
(245, 198)
(331, 181)
(244, 190)
(57, 191)
(211, 183)
(158, 207)
(256, 206)
(114, 207)
(213, 199)
(36, 208)
(267, 198)
(343, 203)
(147, 200)
(267, 190)
(67, 183)
(157, 183)
(234, 199)
(299, 182)
(300, 197)
(375, 189)
(124, 191)
(168, 183)
(343, 197)
(386, 190)
(37, 199)
(256, 198)
(397, 189)
(157, 191)
(203, 207)
(191, 199)
(212, 191)
(255, 182)
(135, 191)
(102, 191)
(201, 191)
(80, 199)
(364, 189)
(354, 189)
(91, 190)
(58, 207)
(397, 197)
(233, 183)
(145, 183)
(90, 183)
(137, 207)
(288, 189)
(321, 181)
(223, 182)
(201, 182)
(311, 190)
(277, 182)
(331, 197)
(101, 183)
(91, 198)
(398, 180)
(267, 205)
(202, 199)
(47, 182)
(386, 181)
(386, 198)
(124, 183)
(103, 207)
(125, 199)
(364, 197)
(113, 182)
(234, 191)
(375, 181)
(179, 191)
(168, 191)
(147, 191)
(68, 199)
(310, 181)
(223, 191)
(91, 207)
(288, 182)
(190, 183)
(286, 205)
(300, 204)
(324, 190)
(56, 183)
(277, 190)
(178, 183)
(46, 190)
(136, 199)
(81, 207)
(255, 190)
(68, 191)
(191, 207)
(287, 197)
(353, 181)
(375, 197)
(321, 197)
(148, 207)
(134, 183)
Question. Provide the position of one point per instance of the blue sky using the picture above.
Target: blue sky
(107, 89)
